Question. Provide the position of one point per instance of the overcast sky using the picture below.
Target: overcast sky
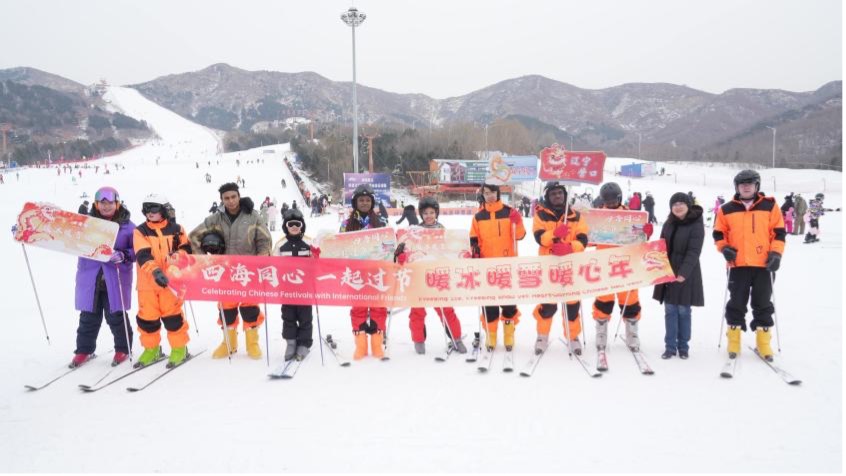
(439, 48)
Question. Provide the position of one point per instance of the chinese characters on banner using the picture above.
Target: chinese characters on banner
(454, 282)
(560, 164)
(376, 244)
(47, 226)
(615, 227)
(427, 244)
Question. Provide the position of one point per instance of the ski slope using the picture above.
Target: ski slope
(411, 414)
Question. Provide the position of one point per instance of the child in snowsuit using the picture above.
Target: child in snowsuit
(366, 320)
(158, 241)
(429, 211)
(296, 320)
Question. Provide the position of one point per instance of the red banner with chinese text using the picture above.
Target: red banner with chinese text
(558, 163)
(47, 226)
(455, 282)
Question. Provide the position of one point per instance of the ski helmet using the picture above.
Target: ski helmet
(428, 202)
(363, 190)
(293, 214)
(748, 176)
(213, 243)
(108, 194)
(820, 196)
(611, 194)
(154, 203)
(550, 186)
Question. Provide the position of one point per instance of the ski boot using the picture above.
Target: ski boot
(632, 340)
(79, 360)
(576, 346)
(601, 334)
(508, 327)
(291, 349)
(302, 352)
(149, 356)
(178, 355)
(222, 350)
(733, 335)
(252, 338)
(119, 358)
(420, 347)
(762, 343)
(541, 344)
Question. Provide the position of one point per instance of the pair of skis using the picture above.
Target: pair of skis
(288, 369)
(730, 366)
(533, 362)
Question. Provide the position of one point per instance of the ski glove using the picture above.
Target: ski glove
(117, 257)
(160, 277)
(773, 261)
(476, 252)
(315, 252)
(729, 253)
(562, 249)
(647, 228)
(562, 231)
(399, 252)
(369, 327)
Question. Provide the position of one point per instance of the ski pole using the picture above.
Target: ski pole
(319, 334)
(124, 317)
(225, 328)
(266, 333)
(566, 327)
(584, 334)
(725, 301)
(37, 300)
(622, 313)
(447, 331)
(193, 316)
(775, 314)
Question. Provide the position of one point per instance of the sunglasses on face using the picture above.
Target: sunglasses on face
(154, 208)
(106, 194)
(294, 224)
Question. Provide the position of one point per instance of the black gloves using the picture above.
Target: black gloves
(400, 250)
(372, 328)
(476, 251)
(729, 253)
(160, 277)
(773, 261)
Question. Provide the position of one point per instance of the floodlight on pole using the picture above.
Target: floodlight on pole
(774, 137)
(354, 18)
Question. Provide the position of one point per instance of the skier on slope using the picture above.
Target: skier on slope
(429, 212)
(245, 233)
(493, 234)
(611, 196)
(296, 320)
(750, 234)
(157, 243)
(815, 211)
(106, 288)
(559, 236)
(366, 320)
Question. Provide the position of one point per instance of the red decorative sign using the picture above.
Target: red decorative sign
(558, 163)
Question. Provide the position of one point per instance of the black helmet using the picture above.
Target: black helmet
(820, 196)
(363, 189)
(553, 185)
(428, 202)
(293, 214)
(213, 243)
(748, 176)
(611, 193)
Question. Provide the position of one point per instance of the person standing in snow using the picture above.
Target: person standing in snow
(801, 208)
(157, 243)
(296, 320)
(106, 288)
(649, 206)
(272, 215)
(815, 211)
(429, 212)
(611, 196)
(684, 233)
(750, 234)
(494, 232)
(408, 213)
(366, 320)
(83, 209)
(558, 235)
(245, 233)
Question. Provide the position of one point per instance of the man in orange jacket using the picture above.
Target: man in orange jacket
(158, 241)
(558, 236)
(749, 232)
(493, 234)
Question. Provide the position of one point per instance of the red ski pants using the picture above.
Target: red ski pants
(416, 322)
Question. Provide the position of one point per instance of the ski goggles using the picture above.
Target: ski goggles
(107, 194)
(294, 224)
(152, 208)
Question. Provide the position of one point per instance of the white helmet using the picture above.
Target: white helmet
(154, 203)
(155, 198)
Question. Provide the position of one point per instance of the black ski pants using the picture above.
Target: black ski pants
(492, 312)
(296, 324)
(89, 326)
(746, 282)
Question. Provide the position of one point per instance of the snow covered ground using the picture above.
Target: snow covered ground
(412, 414)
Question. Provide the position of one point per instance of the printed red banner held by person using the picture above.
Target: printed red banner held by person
(557, 163)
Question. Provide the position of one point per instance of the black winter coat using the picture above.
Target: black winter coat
(684, 240)
(409, 214)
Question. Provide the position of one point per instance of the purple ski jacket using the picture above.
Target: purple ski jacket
(87, 270)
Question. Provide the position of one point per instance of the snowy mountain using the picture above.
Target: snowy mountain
(675, 122)
(411, 414)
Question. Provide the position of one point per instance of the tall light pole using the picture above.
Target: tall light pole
(354, 18)
(774, 135)
(639, 139)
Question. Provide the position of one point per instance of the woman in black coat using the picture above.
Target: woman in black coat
(684, 233)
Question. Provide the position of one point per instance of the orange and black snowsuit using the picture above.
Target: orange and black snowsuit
(154, 243)
(628, 301)
(754, 232)
(543, 227)
(491, 234)
(358, 315)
